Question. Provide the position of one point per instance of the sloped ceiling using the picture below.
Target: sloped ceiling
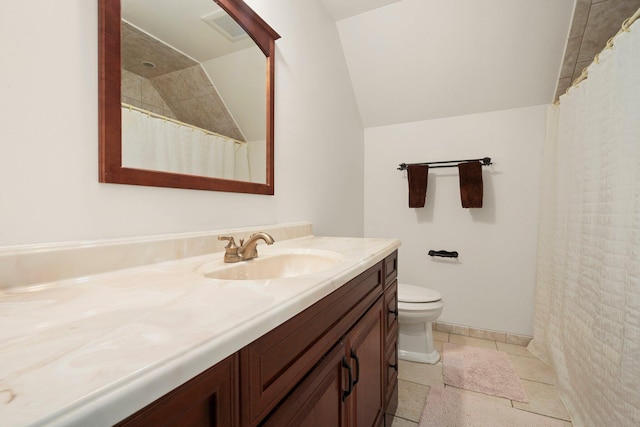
(423, 59)
(340, 9)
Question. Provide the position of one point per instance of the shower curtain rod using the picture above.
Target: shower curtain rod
(486, 161)
(625, 29)
(178, 122)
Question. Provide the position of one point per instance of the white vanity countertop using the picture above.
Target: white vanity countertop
(93, 350)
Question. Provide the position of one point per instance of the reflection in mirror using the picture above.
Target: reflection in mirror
(174, 115)
(192, 100)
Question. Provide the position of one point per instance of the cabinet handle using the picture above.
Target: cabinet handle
(394, 312)
(394, 366)
(355, 356)
(347, 392)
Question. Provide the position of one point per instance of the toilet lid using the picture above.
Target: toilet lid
(411, 293)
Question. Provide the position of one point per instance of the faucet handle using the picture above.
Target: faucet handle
(232, 243)
(231, 250)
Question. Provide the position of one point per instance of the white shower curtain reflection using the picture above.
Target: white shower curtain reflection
(587, 322)
(152, 143)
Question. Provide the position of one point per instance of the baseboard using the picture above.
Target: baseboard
(487, 334)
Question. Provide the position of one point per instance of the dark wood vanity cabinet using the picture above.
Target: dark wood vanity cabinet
(210, 399)
(334, 364)
(345, 388)
(353, 384)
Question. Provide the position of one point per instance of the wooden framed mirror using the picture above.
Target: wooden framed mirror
(140, 145)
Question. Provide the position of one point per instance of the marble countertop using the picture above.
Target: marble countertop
(93, 350)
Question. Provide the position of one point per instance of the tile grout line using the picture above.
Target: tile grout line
(537, 382)
(538, 413)
(544, 415)
(406, 419)
(423, 385)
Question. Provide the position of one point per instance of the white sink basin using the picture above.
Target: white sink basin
(275, 265)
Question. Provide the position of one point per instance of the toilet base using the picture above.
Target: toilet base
(412, 356)
(415, 343)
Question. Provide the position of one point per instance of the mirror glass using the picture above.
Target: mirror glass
(193, 106)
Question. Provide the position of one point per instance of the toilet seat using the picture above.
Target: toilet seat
(417, 294)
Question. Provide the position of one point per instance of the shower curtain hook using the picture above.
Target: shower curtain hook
(609, 44)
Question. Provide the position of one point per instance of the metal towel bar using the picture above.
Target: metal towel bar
(486, 161)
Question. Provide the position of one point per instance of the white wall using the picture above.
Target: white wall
(324, 158)
(49, 188)
(239, 79)
(419, 60)
(492, 284)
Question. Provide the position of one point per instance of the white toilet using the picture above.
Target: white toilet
(417, 308)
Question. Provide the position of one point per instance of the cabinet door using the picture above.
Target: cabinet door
(210, 399)
(365, 351)
(318, 401)
(272, 365)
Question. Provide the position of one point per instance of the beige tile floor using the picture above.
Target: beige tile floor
(414, 380)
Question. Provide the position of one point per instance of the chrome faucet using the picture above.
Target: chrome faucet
(246, 251)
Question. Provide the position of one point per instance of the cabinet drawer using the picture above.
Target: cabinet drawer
(391, 374)
(273, 364)
(391, 311)
(390, 268)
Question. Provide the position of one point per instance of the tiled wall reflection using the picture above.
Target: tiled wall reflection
(171, 84)
(139, 92)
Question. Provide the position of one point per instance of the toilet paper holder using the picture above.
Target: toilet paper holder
(444, 254)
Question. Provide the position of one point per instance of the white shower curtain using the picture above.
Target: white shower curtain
(152, 143)
(587, 321)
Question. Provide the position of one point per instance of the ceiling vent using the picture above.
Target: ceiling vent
(225, 25)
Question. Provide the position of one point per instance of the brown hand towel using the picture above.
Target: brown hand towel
(418, 177)
(471, 184)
